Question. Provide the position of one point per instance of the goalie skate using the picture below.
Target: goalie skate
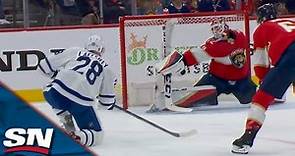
(153, 109)
(175, 108)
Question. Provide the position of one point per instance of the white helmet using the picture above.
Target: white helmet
(218, 28)
(95, 44)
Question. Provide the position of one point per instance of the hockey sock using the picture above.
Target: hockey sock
(90, 137)
(253, 125)
(256, 114)
(262, 99)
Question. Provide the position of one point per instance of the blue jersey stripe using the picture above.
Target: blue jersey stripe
(42, 69)
(106, 96)
(60, 112)
(49, 65)
(86, 136)
(71, 91)
(106, 104)
(92, 136)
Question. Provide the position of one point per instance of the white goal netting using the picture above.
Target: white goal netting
(141, 39)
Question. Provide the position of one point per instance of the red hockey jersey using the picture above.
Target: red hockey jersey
(275, 35)
(229, 59)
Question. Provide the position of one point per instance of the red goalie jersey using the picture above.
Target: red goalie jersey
(229, 58)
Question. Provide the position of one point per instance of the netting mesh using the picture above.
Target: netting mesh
(181, 20)
(142, 44)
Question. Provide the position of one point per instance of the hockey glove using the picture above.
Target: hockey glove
(171, 64)
(255, 80)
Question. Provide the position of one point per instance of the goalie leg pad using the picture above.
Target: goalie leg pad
(200, 95)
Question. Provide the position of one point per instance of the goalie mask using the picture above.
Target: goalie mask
(95, 45)
(218, 28)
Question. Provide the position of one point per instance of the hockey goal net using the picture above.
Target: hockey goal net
(141, 43)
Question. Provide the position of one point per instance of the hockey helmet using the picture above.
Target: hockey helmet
(95, 44)
(266, 12)
(218, 28)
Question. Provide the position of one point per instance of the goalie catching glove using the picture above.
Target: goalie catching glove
(172, 64)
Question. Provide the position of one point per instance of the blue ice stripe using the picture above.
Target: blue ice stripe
(71, 91)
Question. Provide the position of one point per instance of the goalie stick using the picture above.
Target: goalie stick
(193, 88)
(175, 134)
(167, 32)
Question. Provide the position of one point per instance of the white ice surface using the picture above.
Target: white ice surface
(128, 136)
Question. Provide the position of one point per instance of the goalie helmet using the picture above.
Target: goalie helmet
(266, 12)
(218, 28)
(95, 45)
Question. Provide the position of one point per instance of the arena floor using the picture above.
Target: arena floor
(128, 136)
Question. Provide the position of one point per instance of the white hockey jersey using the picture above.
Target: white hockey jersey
(81, 76)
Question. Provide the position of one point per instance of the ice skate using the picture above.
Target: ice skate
(243, 144)
(68, 123)
(74, 136)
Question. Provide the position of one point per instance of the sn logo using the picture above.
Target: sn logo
(30, 140)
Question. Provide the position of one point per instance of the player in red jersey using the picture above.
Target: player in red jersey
(228, 69)
(274, 65)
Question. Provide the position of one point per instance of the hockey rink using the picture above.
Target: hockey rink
(128, 136)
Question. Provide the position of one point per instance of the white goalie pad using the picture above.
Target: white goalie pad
(179, 97)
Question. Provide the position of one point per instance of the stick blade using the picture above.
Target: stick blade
(186, 134)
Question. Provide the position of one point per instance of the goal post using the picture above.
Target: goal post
(141, 46)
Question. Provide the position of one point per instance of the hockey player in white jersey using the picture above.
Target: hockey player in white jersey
(80, 75)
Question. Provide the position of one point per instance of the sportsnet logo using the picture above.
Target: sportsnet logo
(28, 140)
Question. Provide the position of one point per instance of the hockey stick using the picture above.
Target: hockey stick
(175, 134)
(167, 32)
(198, 88)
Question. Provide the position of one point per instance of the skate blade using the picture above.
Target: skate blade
(240, 150)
